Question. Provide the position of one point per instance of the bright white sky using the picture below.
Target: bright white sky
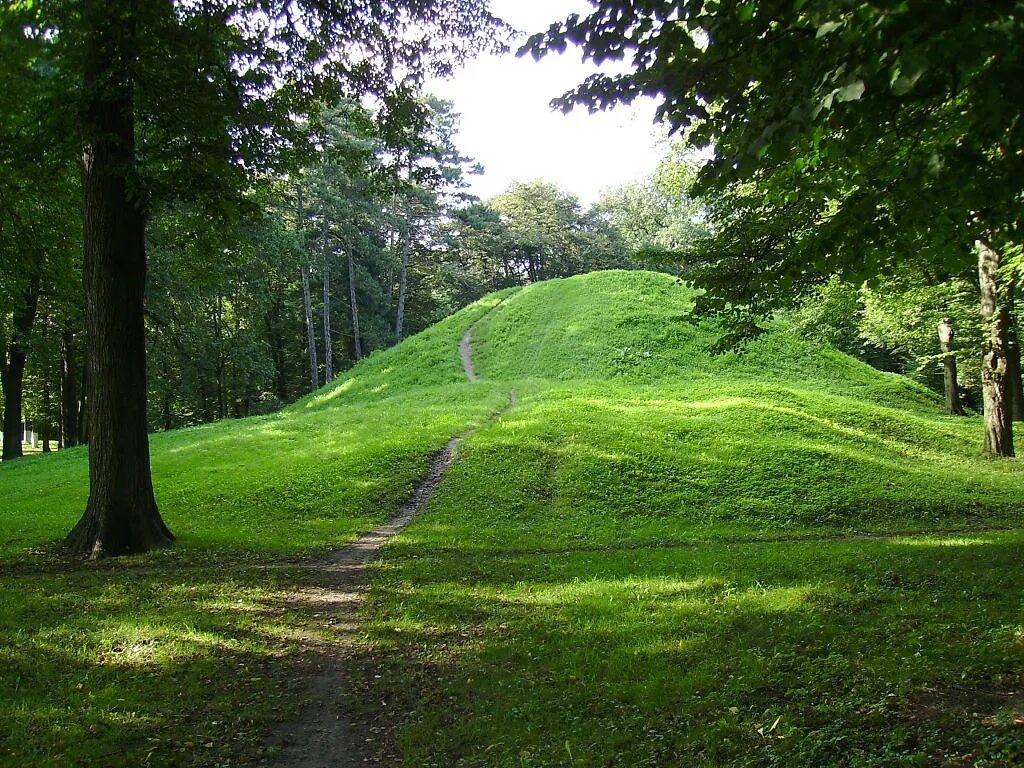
(509, 128)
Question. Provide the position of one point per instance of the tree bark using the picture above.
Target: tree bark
(121, 516)
(12, 371)
(314, 368)
(952, 386)
(69, 390)
(357, 344)
(998, 426)
(276, 336)
(328, 347)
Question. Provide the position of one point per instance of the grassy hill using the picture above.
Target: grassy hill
(659, 557)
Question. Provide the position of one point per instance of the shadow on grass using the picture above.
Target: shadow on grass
(842, 653)
(164, 669)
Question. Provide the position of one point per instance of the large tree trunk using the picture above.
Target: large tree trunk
(314, 368)
(357, 344)
(12, 370)
(69, 391)
(403, 282)
(998, 426)
(952, 386)
(121, 516)
(328, 348)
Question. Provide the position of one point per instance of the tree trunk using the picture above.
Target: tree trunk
(274, 333)
(69, 390)
(403, 281)
(1014, 384)
(44, 426)
(121, 516)
(357, 344)
(314, 368)
(12, 371)
(998, 427)
(328, 348)
(221, 369)
(952, 386)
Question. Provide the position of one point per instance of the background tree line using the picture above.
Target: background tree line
(370, 239)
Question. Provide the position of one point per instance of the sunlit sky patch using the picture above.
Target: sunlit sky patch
(509, 127)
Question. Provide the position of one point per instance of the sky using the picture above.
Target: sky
(508, 126)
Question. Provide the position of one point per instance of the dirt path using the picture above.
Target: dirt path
(327, 731)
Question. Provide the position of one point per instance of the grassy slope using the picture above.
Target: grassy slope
(117, 663)
(589, 587)
(593, 585)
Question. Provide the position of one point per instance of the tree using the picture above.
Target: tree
(429, 172)
(38, 216)
(657, 218)
(548, 234)
(185, 100)
(852, 139)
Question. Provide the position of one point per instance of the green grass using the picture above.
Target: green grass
(649, 561)
(131, 662)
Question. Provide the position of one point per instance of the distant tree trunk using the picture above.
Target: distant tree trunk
(328, 346)
(998, 426)
(221, 370)
(952, 386)
(121, 516)
(403, 282)
(44, 425)
(274, 333)
(1014, 384)
(357, 344)
(83, 407)
(314, 368)
(12, 370)
(69, 390)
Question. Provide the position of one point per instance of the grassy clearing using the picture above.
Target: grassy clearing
(646, 562)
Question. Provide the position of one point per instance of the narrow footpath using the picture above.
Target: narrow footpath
(326, 733)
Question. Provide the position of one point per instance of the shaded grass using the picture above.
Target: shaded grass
(881, 653)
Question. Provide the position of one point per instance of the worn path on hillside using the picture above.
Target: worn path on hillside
(327, 731)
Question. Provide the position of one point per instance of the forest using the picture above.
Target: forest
(348, 464)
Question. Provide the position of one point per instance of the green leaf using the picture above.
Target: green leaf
(828, 26)
(851, 92)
